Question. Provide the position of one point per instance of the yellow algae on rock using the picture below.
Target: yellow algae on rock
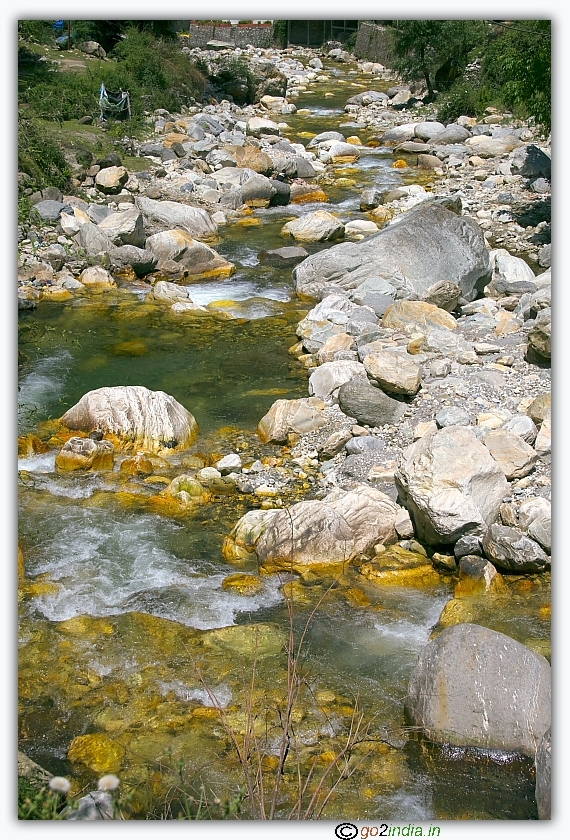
(399, 567)
(455, 612)
(98, 752)
(86, 625)
(242, 583)
(30, 445)
(135, 347)
(138, 465)
(356, 597)
(21, 565)
(255, 640)
(85, 454)
(399, 164)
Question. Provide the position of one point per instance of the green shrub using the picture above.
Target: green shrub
(463, 99)
(39, 157)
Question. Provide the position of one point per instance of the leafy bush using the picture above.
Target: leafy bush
(39, 157)
(463, 98)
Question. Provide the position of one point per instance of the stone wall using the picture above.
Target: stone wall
(258, 35)
(374, 43)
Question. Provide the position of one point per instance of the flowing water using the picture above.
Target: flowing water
(126, 630)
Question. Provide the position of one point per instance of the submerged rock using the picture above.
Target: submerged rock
(475, 687)
(140, 418)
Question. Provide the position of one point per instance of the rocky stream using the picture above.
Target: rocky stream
(289, 383)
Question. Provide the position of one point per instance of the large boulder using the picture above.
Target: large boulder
(487, 147)
(394, 370)
(426, 245)
(475, 687)
(126, 228)
(329, 532)
(543, 769)
(137, 417)
(173, 214)
(450, 484)
(178, 254)
(320, 226)
(111, 179)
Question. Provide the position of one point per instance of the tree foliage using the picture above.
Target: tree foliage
(423, 46)
(519, 62)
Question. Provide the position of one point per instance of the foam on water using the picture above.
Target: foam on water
(44, 463)
(219, 695)
(106, 565)
(240, 289)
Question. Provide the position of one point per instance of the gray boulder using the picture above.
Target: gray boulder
(422, 247)
(543, 769)
(369, 405)
(475, 687)
(141, 260)
(50, 211)
(531, 162)
(290, 255)
(508, 549)
(126, 228)
(172, 214)
(450, 484)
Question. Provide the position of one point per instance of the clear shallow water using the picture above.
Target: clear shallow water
(148, 588)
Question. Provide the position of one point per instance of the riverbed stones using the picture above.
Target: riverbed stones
(285, 416)
(475, 687)
(172, 214)
(508, 549)
(394, 371)
(111, 180)
(325, 381)
(320, 226)
(98, 752)
(178, 254)
(428, 244)
(138, 417)
(369, 405)
(85, 454)
(515, 457)
(450, 484)
(125, 228)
